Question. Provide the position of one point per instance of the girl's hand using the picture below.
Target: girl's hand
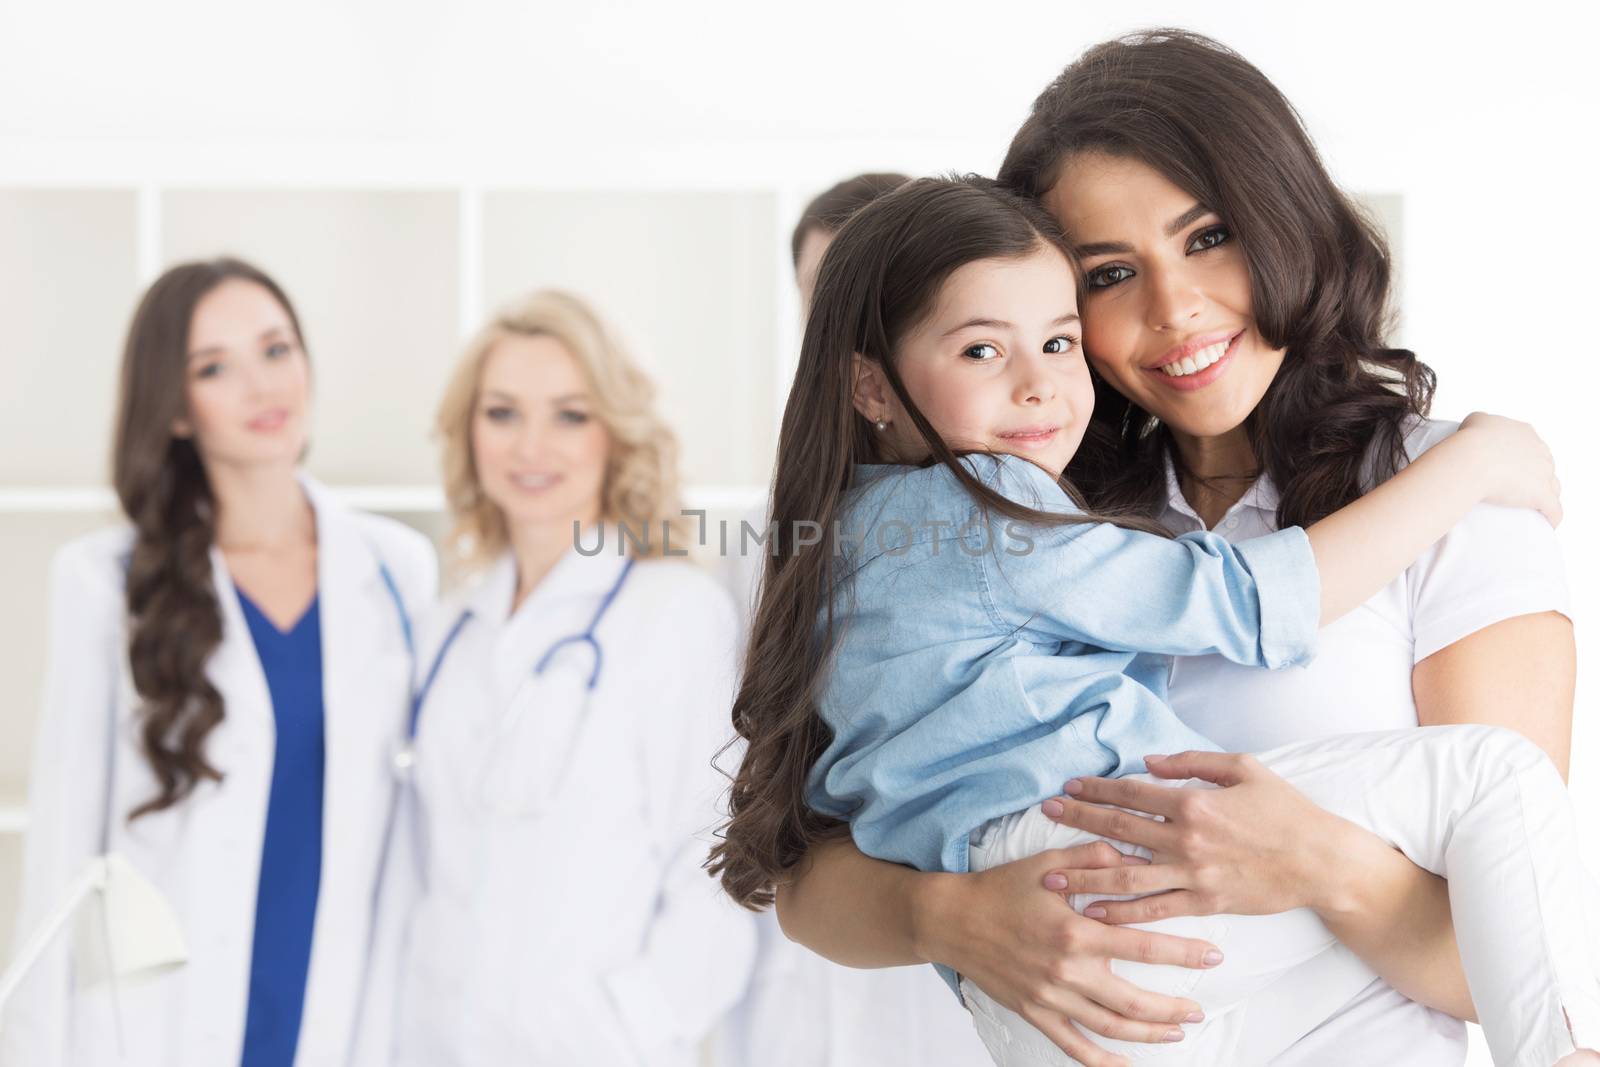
(1520, 471)
(1255, 846)
(1047, 963)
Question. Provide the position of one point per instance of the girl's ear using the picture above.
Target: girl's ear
(872, 393)
(181, 429)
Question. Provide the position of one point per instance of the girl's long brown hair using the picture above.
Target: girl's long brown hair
(174, 622)
(1333, 419)
(879, 278)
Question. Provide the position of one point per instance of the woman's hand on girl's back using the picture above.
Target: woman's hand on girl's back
(1035, 955)
(1521, 471)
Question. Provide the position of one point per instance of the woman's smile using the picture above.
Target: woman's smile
(269, 421)
(533, 483)
(1196, 364)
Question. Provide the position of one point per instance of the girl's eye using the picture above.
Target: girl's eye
(1107, 276)
(574, 418)
(1210, 237)
(499, 413)
(208, 370)
(278, 349)
(1060, 344)
(981, 353)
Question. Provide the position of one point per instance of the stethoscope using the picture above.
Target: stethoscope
(404, 757)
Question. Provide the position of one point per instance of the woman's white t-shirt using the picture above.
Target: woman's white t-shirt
(1496, 564)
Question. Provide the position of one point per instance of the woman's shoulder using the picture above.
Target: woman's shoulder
(1420, 434)
(677, 617)
(405, 556)
(1494, 564)
(95, 561)
(396, 544)
(88, 590)
(393, 539)
(469, 584)
(680, 585)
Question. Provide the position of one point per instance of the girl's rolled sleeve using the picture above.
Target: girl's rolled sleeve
(1115, 588)
(1289, 591)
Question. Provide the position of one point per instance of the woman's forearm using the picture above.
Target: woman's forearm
(856, 910)
(1413, 509)
(1396, 917)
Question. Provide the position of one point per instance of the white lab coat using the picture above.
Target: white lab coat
(204, 853)
(562, 917)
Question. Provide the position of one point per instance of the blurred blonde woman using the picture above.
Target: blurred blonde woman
(570, 698)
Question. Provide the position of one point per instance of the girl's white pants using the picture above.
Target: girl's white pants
(1480, 806)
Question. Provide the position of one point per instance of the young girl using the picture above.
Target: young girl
(978, 632)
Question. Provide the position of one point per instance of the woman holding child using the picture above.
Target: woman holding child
(1233, 305)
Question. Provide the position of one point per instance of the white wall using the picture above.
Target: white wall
(1480, 121)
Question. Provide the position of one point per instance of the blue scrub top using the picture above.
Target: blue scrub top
(291, 854)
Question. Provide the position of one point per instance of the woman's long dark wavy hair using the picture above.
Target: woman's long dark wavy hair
(174, 622)
(1332, 421)
(878, 280)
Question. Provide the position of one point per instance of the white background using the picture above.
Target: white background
(1481, 120)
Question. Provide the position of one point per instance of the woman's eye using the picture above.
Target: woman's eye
(499, 413)
(981, 353)
(574, 418)
(1060, 344)
(208, 370)
(1209, 238)
(278, 349)
(1107, 276)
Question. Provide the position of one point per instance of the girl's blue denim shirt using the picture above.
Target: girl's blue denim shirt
(979, 662)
